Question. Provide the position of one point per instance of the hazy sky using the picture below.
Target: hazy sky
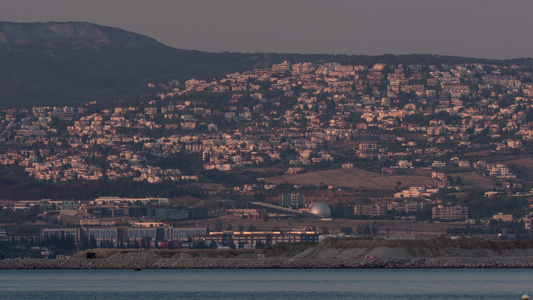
(482, 28)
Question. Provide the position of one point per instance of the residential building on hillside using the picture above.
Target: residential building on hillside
(449, 213)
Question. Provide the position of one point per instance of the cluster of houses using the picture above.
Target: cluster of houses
(289, 106)
(406, 116)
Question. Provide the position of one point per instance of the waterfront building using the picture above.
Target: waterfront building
(258, 239)
(114, 235)
(183, 234)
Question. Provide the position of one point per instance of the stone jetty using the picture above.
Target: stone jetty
(328, 254)
(150, 260)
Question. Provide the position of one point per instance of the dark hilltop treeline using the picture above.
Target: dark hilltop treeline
(77, 62)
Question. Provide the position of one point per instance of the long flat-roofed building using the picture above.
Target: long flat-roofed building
(114, 235)
(449, 212)
(370, 209)
(183, 234)
(59, 232)
(253, 239)
(106, 200)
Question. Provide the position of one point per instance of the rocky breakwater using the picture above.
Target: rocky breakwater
(151, 260)
(328, 254)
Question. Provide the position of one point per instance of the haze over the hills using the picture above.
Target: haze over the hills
(490, 29)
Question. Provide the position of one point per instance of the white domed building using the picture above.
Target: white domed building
(320, 210)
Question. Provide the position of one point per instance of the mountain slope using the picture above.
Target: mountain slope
(106, 74)
(60, 63)
(69, 36)
(76, 62)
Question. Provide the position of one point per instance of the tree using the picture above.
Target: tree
(92, 242)
(375, 230)
(218, 225)
(170, 245)
(201, 245)
(213, 245)
(146, 242)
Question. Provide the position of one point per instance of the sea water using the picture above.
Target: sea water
(395, 284)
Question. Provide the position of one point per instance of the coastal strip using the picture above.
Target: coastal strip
(148, 260)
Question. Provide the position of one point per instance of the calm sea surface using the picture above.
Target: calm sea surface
(265, 284)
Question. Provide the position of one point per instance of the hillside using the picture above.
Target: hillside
(77, 62)
(42, 79)
(69, 36)
(352, 178)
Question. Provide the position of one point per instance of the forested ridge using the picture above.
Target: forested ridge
(49, 70)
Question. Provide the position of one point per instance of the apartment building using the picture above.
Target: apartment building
(449, 213)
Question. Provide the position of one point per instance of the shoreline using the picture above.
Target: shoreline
(152, 262)
(328, 254)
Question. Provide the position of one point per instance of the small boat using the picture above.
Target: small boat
(137, 269)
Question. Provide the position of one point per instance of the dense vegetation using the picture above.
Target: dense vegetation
(91, 190)
(37, 77)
